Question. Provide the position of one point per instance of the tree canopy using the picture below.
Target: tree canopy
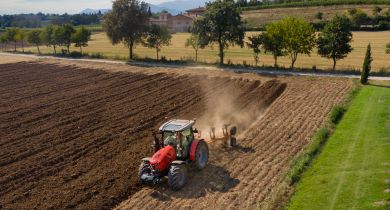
(298, 37)
(334, 40)
(81, 37)
(221, 24)
(157, 37)
(255, 42)
(366, 65)
(194, 42)
(126, 23)
(34, 37)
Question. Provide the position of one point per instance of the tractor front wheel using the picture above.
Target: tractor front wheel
(201, 155)
(143, 168)
(177, 176)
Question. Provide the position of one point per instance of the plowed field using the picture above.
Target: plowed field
(72, 137)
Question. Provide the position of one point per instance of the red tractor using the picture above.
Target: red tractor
(176, 147)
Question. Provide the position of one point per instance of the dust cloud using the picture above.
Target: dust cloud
(227, 105)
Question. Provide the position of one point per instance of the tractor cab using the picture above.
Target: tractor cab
(179, 134)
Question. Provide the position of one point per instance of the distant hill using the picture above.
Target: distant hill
(174, 7)
(94, 11)
(183, 5)
(156, 8)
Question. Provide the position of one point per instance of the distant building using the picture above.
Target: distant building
(180, 22)
(194, 13)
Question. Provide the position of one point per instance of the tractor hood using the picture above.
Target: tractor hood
(163, 158)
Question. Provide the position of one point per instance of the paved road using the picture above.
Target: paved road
(240, 70)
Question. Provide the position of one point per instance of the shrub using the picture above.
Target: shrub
(336, 114)
(75, 54)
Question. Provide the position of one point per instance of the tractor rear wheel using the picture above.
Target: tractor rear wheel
(177, 176)
(201, 155)
(233, 141)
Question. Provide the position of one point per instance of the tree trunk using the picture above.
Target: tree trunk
(22, 45)
(55, 51)
(196, 55)
(81, 50)
(293, 59)
(221, 53)
(157, 52)
(131, 45)
(39, 51)
(68, 48)
(334, 64)
(276, 60)
(15, 46)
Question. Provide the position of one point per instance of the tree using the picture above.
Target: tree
(81, 38)
(34, 37)
(366, 65)
(20, 37)
(334, 40)
(11, 35)
(298, 37)
(273, 41)
(221, 24)
(358, 17)
(126, 23)
(388, 48)
(157, 37)
(48, 37)
(255, 42)
(3, 41)
(194, 42)
(63, 35)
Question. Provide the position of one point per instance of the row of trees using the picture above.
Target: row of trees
(222, 26)
(292, 36)
(127, 23)
(51, 36)
(38, 20)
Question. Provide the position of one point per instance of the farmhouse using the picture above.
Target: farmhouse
(180, 22)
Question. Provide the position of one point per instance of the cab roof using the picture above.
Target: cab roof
(176, 125)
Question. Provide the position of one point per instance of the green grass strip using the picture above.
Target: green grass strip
(353, 168)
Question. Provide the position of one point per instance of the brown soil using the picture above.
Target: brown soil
(73, 137)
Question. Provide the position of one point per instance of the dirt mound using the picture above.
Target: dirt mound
(73, 137)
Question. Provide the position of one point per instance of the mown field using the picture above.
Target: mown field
(353, 171)
(237, 55)
(261, 17)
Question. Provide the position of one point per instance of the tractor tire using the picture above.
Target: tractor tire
(143, 168)
(201, 155)
(233, 130)
(233, 141)
(177, 176)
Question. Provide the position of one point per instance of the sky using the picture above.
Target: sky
(56, 6)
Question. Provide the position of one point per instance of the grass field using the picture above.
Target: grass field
(353, 170)
(261, 17)
(237, 55)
